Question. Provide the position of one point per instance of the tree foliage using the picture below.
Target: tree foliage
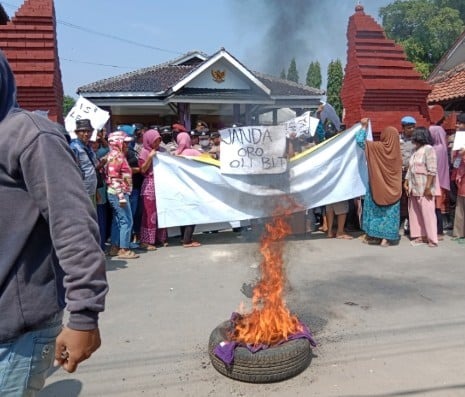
(283, 74)
(458, 5)
(314, 75)
(333, 90)
(292, 73)
(68, 103)
(424, 28)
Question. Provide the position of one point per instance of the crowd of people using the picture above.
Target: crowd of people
(117, 170)
(415, 182)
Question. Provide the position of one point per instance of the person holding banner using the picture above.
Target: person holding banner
(185, 149)
(150, 233)
(381, 209)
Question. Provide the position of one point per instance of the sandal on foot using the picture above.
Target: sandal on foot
(148, 247)
(192, 244)
(344, 237)
(128, 255)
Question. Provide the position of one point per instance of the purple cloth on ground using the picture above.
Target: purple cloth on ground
(225, 350)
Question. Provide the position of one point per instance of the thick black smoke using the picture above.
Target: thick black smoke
(307, 30)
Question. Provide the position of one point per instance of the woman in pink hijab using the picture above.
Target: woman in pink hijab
(439, 137)
(150, 233)
(185, 149)
(185, 145)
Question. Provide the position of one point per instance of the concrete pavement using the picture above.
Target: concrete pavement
(388, 321)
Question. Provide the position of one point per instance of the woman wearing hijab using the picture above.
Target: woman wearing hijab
(381, 210)
(150, 233)
(420, 185)
(439, 137)
(119, 186)
(185, 149)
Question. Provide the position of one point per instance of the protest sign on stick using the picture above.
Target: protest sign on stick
(84, 109)
(253, 150)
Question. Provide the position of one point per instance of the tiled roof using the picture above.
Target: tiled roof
(281, 87)
(206, 93)
(152, 79)
(448, 86)
(160, 78)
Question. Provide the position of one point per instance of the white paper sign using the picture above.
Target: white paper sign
(253, 150)
(301, 125)
(459, 140)
(85, 109)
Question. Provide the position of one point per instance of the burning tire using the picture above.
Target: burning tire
(269, 365)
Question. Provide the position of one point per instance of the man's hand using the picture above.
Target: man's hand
(72, 347)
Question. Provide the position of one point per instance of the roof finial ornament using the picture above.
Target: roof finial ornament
(359, 7)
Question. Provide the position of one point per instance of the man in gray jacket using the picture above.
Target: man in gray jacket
(49, 250)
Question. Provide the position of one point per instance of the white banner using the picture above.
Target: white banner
(253, 150)
(193, 192)
(84, 109)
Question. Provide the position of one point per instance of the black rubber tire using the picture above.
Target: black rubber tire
(269, 365)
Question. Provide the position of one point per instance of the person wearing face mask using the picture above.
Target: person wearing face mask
(215, 145)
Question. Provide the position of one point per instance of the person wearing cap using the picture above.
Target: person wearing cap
(458, 175)
(205, 141)
(407, 148)
(215, 148)
(85, 157)
(167, 142)
(50, 254)
(119, 187)
(201, 126)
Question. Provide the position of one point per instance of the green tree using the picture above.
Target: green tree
(283, 74)
(68, 103)
(458, 5)
(333, 90)
(292, 74)
(423, 28)
(314, 75)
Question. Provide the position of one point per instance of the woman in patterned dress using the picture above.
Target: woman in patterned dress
(381, 209)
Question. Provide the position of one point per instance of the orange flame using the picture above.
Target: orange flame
(270, 321)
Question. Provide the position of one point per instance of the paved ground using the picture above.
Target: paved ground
(389, 321)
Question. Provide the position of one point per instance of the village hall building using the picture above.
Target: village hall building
(217, 89)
